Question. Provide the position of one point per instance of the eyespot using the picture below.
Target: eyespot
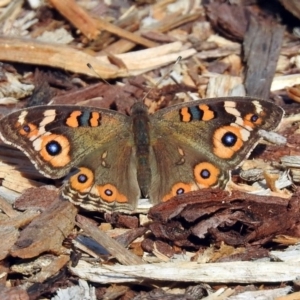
(178, 189)
(55, 149)
(26, 128)
(252, 120)
(227, 140)
(30, 130)
(82, 180)
(109, 193)
(206, 174)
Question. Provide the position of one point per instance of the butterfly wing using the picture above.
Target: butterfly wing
(195, 145)
(97, 142)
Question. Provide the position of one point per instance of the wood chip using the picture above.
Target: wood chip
(238, 272)
(123, 255)
(47, 232)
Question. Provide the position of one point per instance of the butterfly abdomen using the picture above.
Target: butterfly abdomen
(141, 133)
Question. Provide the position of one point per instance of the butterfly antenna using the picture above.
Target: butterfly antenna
(164, 77)
(91, 68)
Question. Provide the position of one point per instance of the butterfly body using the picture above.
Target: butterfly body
(120, 158)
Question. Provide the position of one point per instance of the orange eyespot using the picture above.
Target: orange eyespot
(178, 189)
(206, 174)
(109, 193)
(55, 149)
(82, 180)
(252, 120)
(30, 130)
(227, 140)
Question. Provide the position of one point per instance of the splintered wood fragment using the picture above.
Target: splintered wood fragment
(83, 291)
(15, 181)
(47, 271)
(78, 17)
(262, 46)
(21, 220)
(262, 294)
(135, 38)
(7, 209)
(9, 195)
(281, 82)
(225, 272)
(47, 232)
(53, 55)
(293, 296)
(58, 56)
(139, 62)
(125, 45)
(123, 255)
(9, 234)
(12, 158)
(293, 6)
(224, 85)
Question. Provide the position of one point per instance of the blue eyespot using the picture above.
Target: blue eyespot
(180, 191)
(26, 128)
(53, 148)
(108, 192)
(205, 174)
(229, 139)
(254, 118)
(82, 178)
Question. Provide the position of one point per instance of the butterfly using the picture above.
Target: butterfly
(113, 159)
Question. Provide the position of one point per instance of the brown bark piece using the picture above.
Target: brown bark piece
(236, 219)
(262, 46)
(230, 20)
(120, 220)
(47, 232)
(37, 198)
(105, 96)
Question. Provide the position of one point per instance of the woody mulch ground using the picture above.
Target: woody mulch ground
(210, 244)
